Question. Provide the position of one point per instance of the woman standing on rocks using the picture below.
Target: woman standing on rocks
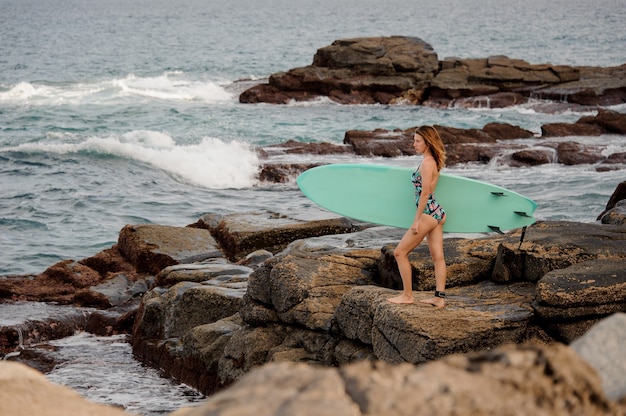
(429, 218)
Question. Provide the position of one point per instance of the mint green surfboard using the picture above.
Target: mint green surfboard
(384, 195)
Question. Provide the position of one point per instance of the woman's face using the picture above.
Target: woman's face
(419, 144)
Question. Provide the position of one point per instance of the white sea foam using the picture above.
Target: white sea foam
(171, 86)
(212, 163)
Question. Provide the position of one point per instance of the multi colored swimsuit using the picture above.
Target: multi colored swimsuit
(432, 206)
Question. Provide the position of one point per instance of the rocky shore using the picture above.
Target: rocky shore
(274, 314)
(494, 142)
(407, 70)
(211, 302)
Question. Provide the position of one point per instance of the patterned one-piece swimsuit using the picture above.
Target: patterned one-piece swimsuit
(432, 206)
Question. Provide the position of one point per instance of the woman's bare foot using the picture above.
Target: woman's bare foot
(401, 299)
(436, 302)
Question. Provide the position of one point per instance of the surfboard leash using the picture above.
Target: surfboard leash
(521, 239)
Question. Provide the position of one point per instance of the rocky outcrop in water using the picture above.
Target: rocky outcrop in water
(400, 69)
(495, 141)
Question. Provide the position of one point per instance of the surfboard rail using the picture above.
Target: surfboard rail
(384, 194)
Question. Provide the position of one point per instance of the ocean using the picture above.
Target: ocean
(126, 112)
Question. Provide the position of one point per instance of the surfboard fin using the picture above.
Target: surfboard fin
(495, 229)
(498, 193)
(522, 214)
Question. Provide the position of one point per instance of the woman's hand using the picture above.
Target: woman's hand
(414, 227)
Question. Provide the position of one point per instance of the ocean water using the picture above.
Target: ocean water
(124, 112)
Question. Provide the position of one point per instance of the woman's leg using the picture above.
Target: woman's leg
(435, 245)
(407, 244)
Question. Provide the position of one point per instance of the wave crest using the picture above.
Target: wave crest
(212, 163)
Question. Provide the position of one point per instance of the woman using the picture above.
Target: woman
(429, 218)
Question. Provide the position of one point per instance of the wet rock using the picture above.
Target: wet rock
(120, 289)
(256, 258)
(380, 142)
(282, 173)
(151, 248)
(504, 131)
(391, 70)
(204, 272)
(196, 360)
(572, 300)
(73, 274)
(241, 234)
(535, 379)
(25, 391)
(616, 215)
(532, 157)
(294, 147)
(114, 320)
(355, 71)
(572, 153)
(611, 122)
(603, 347)
(109, 261)
(569, 129)
(594, 86)
(619, 194)
(41, 323)
(171, 313)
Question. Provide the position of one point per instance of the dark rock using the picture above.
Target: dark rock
(532, 157)
(151, 248)
(355, 71)
(572, 153)
(619, 194)
(242, 234)
(380, 142)
(594, 86)
(594, 282)
(556, 245)
(504, 131)
(616, 215)
(566, 129)
(611, 122)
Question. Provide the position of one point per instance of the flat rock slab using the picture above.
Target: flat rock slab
(242, 234)
(557, 245)
(151, 248)
(595, 282)
(475, 318)
(217, 272)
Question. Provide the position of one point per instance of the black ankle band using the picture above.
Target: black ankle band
(439, 294)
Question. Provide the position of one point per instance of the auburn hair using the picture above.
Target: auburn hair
(435, 144)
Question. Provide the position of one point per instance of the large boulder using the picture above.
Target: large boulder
(603, 347)
(243, 233)
(26, 392)
(512, 379)
(476, 318)
(355, 71)
(400, 69)
(151, 248)
(555, 245)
